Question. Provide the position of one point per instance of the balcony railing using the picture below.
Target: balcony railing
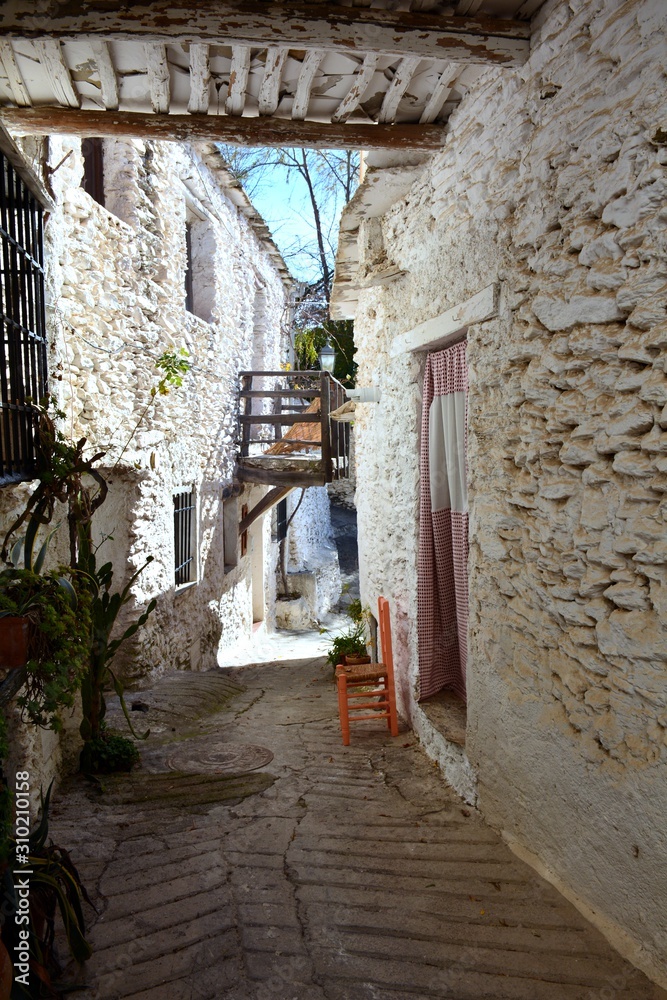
(287, 437)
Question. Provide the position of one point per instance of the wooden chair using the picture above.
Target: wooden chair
(369, 687)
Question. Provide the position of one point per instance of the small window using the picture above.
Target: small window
(281, 520)
(23, 360)
(189, 289)
(199, 270)
(185, 569)
(93, 168)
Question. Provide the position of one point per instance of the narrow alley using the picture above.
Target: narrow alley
(253, 857)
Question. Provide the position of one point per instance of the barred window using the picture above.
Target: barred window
(23, 361)
(184, 537)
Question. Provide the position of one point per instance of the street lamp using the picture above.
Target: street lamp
(327, 357)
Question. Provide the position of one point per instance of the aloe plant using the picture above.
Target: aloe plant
(105, 608)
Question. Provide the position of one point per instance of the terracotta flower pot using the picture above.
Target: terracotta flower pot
(355, 659)
(13, 642)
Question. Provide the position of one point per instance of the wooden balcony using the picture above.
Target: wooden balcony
(287, 437)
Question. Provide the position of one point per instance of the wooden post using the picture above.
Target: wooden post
(245, 427)
(325, 431)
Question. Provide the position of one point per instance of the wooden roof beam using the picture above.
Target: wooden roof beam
(404, 73)
(221, 128)
(13, 73)
(309, 68)
(158, 77)
(51, 57)
(238, 80)
(200, 78)
(269, 92)
(284, 23)
(356, 92)
(441, 92)
(108, 78)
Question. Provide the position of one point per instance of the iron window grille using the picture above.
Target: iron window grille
(23, 359)
(184, 533)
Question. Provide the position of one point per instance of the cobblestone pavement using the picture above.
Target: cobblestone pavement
(332, 873)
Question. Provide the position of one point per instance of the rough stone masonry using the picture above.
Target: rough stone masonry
(552, 183)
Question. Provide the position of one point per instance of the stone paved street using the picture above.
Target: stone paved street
(331, 873)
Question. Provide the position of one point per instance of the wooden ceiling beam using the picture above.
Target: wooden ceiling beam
(108, 78)
(51, 57)
(309, 68)
(404, 73)
(200, 78)
(269, 92)
(13, 73)
(221, 128)
(441, 92)
(356, 92)
(238, 80)
(289, 23)
(158, 77)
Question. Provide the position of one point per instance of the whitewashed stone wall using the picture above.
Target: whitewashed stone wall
(116, 303)
(552, 182)
(312, 556)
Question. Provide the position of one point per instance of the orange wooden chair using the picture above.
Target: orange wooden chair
(369, 687)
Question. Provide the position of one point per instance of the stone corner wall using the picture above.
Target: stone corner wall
(552, 182)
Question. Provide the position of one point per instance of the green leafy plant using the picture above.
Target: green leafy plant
(55, 886)
(58, 645)
(350, 641)
(108, 753)
(105, 608)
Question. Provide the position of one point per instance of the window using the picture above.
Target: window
(23, 362)
(92, 151)
(185, 567)
(281, 520)
(200, 261)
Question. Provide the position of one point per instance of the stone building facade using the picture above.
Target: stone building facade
(550, 188)
(165, 254)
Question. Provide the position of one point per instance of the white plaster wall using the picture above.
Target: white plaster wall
(552, 181)
(311, 548)
(116, 303)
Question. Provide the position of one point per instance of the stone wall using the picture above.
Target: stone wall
(552, 182)
(119, 298)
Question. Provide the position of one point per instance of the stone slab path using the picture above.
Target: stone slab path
(331, 873)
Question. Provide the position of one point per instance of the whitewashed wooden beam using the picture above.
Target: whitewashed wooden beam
(238, 80)
(267, 131)
(357, 90)
(309, 68)
(440, 94)
(468, 6)
(404, 73)
(200, 78)
(289, 23)
(13, 74)
(50, 56)
(158, 77)
(269, 92)
(107, 73)
(437, 332)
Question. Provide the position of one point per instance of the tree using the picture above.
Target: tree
(327, 179)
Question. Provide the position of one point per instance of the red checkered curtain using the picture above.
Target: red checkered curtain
(442, 612)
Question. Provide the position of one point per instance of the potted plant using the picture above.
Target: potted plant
(349, 645)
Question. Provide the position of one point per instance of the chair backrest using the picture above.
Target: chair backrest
(385, 636)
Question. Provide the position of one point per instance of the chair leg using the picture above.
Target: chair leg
(343, 709)
(393, 717)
